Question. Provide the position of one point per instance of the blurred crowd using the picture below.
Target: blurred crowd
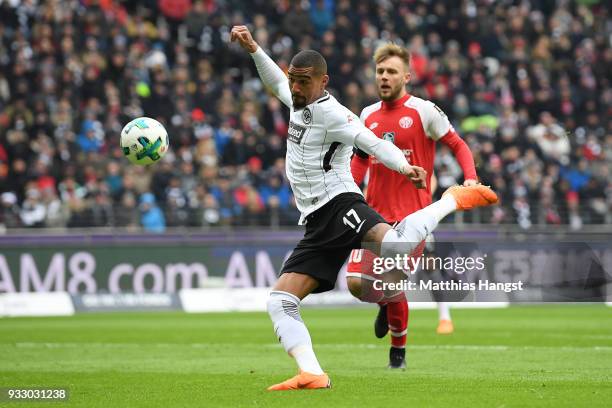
(526, 83)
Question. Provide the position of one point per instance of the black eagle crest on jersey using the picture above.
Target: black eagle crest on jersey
(307, 116)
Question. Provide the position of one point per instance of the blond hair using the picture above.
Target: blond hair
(392, 50)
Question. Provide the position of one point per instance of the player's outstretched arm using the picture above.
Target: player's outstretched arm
(272, 76)
(391, 156)
(344, 127)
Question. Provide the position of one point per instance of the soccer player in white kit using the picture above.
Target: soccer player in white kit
(320, 140)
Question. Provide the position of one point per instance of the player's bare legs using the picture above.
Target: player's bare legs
(284, 310)
(297, 284)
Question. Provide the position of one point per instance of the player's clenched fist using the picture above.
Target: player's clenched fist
(417, 175)
(243, 36)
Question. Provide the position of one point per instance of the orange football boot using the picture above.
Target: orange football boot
(445, 327)
(468, 197)
(303, 381)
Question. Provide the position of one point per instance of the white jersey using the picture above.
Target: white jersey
(320, 142)
(319, 147)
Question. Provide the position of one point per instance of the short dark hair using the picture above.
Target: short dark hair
(310, 58)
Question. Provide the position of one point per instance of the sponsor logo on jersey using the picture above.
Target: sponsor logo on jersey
(307, 116)
(389, 137)
(295, 133)
(405, 122)
(373, 125)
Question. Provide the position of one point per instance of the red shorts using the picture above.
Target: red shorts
(361, 262)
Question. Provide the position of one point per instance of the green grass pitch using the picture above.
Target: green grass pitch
(549, 356)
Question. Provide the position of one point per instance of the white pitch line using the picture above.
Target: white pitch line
(582, 336)
(348, 346)
(474, 347)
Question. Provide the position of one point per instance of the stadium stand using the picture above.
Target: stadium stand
(526, 83)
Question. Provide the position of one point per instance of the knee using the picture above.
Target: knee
(363, 290)
(354, 286)
(404, 241)
(281, 304)
(413, 228)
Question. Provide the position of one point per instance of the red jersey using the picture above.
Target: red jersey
(413, 125)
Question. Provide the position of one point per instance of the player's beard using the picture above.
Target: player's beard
(392, 94)
(299, 102)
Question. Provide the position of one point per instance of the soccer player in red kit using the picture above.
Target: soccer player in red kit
(414, 125)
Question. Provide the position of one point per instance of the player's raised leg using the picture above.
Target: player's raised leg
(284, 310)
(413, 229)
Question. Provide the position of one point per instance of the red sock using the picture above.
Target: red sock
(397, 314)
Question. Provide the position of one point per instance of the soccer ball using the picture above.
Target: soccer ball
(144, 141)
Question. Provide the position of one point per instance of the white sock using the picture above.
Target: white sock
(443, 311)
(442, 207)
(305, 358)
(284, 310)
(409, 233)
